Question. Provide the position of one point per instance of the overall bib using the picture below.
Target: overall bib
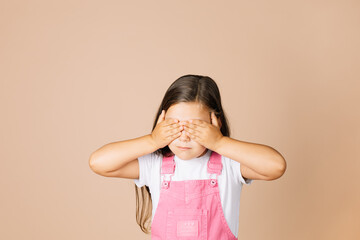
(190, 209)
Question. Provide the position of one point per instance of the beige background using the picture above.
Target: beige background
(76, 75)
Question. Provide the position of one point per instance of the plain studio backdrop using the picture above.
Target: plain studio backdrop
(76, 75)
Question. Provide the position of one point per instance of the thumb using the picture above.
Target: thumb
(161, 117)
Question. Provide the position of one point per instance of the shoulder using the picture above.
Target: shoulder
(149, 168)
(234, 168)
(229, 165)
(150, 159)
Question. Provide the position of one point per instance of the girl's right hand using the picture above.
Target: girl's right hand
(165, 131)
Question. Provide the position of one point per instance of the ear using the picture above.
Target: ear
(215, 120)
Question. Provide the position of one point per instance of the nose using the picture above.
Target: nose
(183, 137)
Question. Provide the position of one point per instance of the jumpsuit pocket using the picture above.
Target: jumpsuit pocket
(186, 224)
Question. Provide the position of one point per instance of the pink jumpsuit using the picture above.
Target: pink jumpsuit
(190, 209)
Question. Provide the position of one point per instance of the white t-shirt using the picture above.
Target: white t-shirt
(230, 181)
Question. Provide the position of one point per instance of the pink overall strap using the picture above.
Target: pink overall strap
(214, 164)
(168, 165)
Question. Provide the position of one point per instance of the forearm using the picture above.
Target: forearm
(260, 158)
(113, 156)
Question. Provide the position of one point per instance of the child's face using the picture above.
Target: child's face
(184, 111)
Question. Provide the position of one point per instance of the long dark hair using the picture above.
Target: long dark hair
(187, 88)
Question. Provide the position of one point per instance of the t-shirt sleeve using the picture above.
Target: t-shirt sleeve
(242, 179)
(145, 167)
(236, 166)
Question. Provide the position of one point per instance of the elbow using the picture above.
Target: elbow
(97, 165)
(92, 164)
(279, 169)
(282, 167)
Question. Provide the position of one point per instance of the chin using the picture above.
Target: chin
(194, 152)
(183, 158)
(183, 155)
(187, 156)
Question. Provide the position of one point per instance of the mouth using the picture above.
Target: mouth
(183, 148)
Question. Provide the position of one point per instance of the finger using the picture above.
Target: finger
(196, 123)
(173, 135)
(176, 135)
(167, 121)
(191, 135)
(183, 122)
(172, 123)
(192, 131)
(173, 128)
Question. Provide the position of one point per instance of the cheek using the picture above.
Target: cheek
(197, 145)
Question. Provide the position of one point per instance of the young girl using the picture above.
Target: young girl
(189, 172)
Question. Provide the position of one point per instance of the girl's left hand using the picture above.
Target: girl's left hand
(203, 132)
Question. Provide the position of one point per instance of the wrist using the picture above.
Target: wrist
(220, 143)
(152, 142)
